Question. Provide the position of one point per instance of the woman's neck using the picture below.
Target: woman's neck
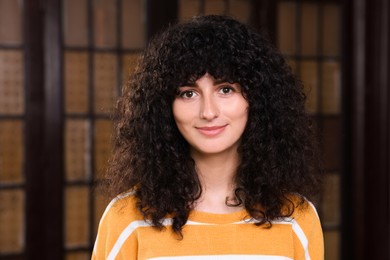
(217, 177)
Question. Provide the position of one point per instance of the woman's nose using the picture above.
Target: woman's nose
(209, 108)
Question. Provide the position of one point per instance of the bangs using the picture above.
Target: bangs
(191, 52)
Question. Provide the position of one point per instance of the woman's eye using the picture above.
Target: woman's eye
(188, 94)
(226, 90)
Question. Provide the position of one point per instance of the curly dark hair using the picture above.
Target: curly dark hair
(152, 158)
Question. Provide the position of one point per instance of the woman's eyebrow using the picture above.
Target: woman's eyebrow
(220, 81)
(215, 83)
(189, 84)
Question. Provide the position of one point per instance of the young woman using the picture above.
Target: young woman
(213, 154)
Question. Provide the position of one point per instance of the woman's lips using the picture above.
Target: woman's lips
(211, 130)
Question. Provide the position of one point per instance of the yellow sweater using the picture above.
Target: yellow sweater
(123, 234)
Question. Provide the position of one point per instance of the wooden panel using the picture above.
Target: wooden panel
(11, 22)
(309, 76)
(75, 22)
(38, 155)
(332, 30)
(240, 9)
(104, 23)
(102, 147)
(293, 65)
(78, 256)
(331, 143)
(11, 82)
(330, 206)
(11, 221)
(105, 82)
(14, 257)
(11, 151)
(309, 29)
(331, 87)
(332, 245)
(188, 9)
(76, 216)
(76, 82)
(366, 84)
(215, 7)
(133, 24)
(77, 143)
(100, 204)
(52, 73)
(129, 64)
(286, 27)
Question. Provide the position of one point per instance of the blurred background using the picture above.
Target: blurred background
(62, 65)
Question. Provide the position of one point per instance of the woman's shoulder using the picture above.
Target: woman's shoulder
(302, 208)
(122, 207)
(307, 229)
(119, 220)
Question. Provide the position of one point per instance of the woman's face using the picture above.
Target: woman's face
(211, 115)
